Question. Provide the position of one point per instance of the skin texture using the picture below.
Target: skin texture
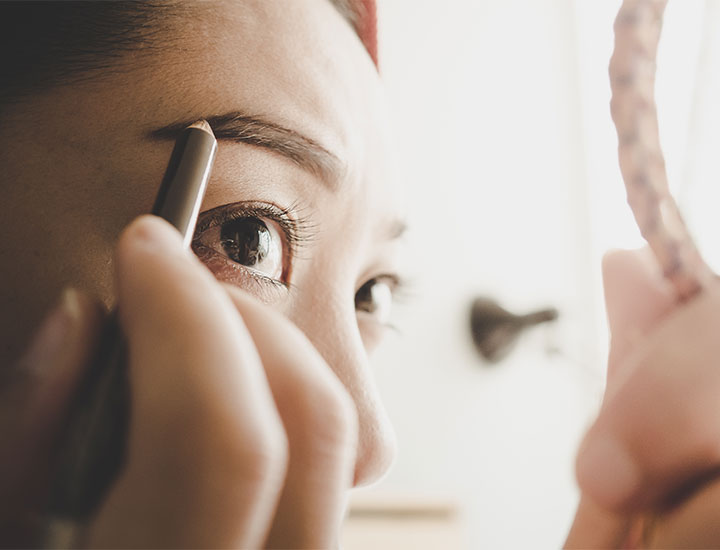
(648, 467)
(254, 408)
(224, 438)
(259, 406)
(95, 169)
(257, 428)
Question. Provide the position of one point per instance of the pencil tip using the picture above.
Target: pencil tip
(202, 125)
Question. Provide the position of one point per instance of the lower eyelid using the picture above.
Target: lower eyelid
(225, 270)
(372, 332)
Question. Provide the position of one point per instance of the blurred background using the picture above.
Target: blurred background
(508, 154)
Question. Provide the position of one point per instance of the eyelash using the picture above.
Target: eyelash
(296, 231)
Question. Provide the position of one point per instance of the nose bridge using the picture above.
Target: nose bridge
(329, 322)
(332, 328)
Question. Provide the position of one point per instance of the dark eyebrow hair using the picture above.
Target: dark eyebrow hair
(254, 130)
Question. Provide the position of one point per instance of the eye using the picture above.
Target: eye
(247, 240)
(375, 297)
(253, 243)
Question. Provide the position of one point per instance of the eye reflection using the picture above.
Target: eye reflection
(375, 297)
(253, 243)
(249, 241)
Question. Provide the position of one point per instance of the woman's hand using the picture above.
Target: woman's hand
(647, 467)
(240, 436)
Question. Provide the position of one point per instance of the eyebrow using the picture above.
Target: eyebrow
(238, 127)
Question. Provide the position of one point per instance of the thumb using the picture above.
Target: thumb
(637, 296)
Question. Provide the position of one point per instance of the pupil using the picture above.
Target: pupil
(364, 298)
(245, 240)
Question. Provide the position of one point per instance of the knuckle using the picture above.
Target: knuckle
(340, 413)
(326, 413)
(258, 453)
(252, 449)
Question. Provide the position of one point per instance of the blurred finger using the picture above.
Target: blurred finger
(207, 452)
(321, 426)
(637, 296)
(35, 395)
(650, 438)
(595, 527)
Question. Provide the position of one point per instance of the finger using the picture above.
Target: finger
(694, 524)
(636, 298)
(321, 425)
(207, 452)
(650, 438)
(37, 389)
(595, 527)
(35, 395)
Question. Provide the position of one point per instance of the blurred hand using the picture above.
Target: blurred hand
(647, 467)
(240, 435)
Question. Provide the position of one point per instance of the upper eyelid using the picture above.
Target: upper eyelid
(227, 212)
(402, 289)
(296, 229)
(396, 280)
(393, 278)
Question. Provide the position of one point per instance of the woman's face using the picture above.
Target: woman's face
(299, 191)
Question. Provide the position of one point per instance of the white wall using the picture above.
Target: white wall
(485, 96)
(507, 150)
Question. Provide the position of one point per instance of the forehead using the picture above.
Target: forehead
(299, 62)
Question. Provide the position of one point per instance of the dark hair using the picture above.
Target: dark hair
(46, 43)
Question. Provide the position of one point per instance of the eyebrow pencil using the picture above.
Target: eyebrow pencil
(92, 452)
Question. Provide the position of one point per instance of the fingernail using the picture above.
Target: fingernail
(607, 472)
(154, 233)
(57, 326)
